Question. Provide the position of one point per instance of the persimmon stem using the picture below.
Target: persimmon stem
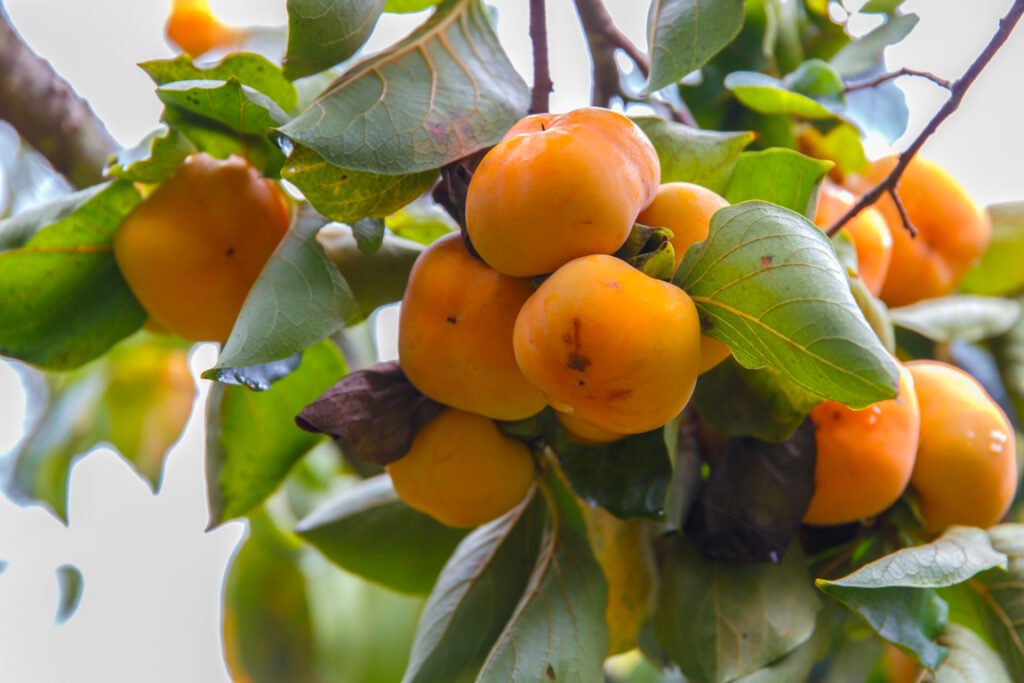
(905, 71)
(47, 113)
(957, 90)
(603, 39)
(542, 85)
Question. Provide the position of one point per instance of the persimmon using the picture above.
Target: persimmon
(686, 210)
(899, 667)
(867, 230)
(557, 187)
(193, 248)
(581, 431)
(194, 28)
(966, 469)
(462, 471)
(455, 333)
(610, 345)
(865, 457)
(952, 231)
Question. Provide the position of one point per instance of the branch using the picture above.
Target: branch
(905, 71)
(603, 38)
(48, 114)
(539, 99)
(957, 90)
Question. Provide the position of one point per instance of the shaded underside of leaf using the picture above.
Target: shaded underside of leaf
(446, 90)
(322, 33)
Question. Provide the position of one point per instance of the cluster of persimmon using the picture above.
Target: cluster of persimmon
(611, 349)
(943, 434)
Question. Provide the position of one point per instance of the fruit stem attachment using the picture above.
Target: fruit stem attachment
(542, 85)
(957, 90)
(47, 113)
(603, 39)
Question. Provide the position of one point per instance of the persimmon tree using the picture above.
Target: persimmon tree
(816, 510)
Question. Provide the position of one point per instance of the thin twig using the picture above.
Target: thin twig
(603, 39)
(956, 94)
(902, 210)
(905, 71)
(48, 114)
(540, 98)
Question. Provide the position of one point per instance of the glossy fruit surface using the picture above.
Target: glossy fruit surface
(611, 345)
(868, 230)
(455, 333)
(865, 457)
(557, 187)
(193, 248)
(952, 232)
(462, 471)
(966, 469)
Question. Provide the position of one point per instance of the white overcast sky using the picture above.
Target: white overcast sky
(152, 577)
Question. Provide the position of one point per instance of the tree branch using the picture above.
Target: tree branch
(48, 114)
(957, 90)
(539, 99)
(603, 39)
(905, 71)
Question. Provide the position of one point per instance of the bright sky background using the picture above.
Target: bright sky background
(151, 606)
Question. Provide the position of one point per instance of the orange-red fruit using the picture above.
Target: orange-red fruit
(966, 469)
(609, 344)
(865, 457)
(581, 431)
(686, 210)
(193, 27)
(868, 231)
(952, 232)
(192, 250)
(462, 471)
(560, 186)
(455, 333)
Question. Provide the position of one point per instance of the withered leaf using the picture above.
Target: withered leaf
(751, 505)
(374, 414)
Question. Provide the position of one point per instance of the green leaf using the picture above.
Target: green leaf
(63, 301)
(780, 176)
(155, 158)
(299, 298)
(628, 478)
(558, 630)
(865, 53)
(221, 141)
(999, 272)
(767, 95)
(369, 531)
(795, 665)
(444, 91)
(896, 595)
(721, 621)
(970, 318)
(268, 629)
(256, 377)
(881, 6)
(684, 34)
(970, 659)
(374, 280)
(70, 585)
(238, 107)
(475, 596)
(322, 33)
(841, 144)
(408, 6)
(369, 234)
(422, 221)
(345, 195)
(692, 155)
(252, 440)
(759, 403)
(249, 69)
(768, 285)
(993, 604)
